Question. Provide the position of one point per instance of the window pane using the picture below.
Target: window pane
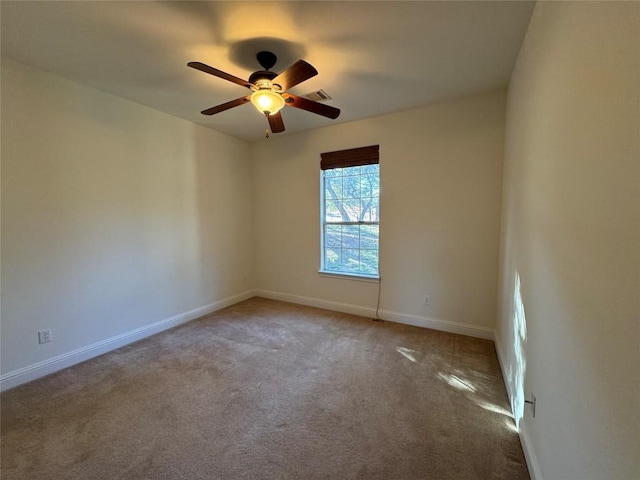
(369, 209)
(350, 260)
(369, 237)
(351, 236)
(333, 187)
(333, 259)
(351, 186)
(332, 211)
(370, 169)
(333, 172)
(352, 170)
(351, 210)
(351, 195)
(369, 262)
(333, 236)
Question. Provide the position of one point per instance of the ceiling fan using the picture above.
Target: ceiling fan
(269, 90)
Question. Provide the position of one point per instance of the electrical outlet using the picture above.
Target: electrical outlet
(44, 336)
(532, 402)
(427, 300)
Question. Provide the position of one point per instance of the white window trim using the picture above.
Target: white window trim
(330, 273)
(349, 276)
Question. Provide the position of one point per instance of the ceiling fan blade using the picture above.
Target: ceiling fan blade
(295, 74)
(275, 122)
(226, 106)
(218, 73)
(311, 106)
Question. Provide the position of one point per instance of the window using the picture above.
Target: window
(350, 192)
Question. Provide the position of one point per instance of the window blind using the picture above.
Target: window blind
(352, 157)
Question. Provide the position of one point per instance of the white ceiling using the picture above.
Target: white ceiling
(373, 58)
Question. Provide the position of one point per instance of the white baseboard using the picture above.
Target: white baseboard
(397, 317)
(525, 440)
(54, 364)
(529, 454)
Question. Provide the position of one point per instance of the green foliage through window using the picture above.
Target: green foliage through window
(350, 217)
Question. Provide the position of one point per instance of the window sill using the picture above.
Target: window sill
(349, 276)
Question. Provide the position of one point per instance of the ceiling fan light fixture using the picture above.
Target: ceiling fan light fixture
(267, 101)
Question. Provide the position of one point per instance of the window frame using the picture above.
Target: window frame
(323, 271)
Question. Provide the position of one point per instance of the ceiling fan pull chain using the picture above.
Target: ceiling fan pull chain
(266, 133)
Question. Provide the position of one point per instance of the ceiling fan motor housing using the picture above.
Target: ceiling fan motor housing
(262, 75)
(267, 60)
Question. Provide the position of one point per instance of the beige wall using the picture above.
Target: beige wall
(440, 211)
(114, 216)
(571, 232)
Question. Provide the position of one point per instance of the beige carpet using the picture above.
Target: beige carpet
(270, 390)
